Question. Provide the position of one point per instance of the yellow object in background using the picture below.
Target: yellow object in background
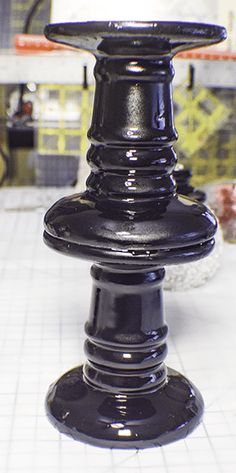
(200, 114)
(206, 123)
(64, 115)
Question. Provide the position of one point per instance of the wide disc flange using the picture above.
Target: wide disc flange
(179, 36)
(113, 420)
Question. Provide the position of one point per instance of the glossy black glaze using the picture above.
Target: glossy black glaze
(124, 396)
(131, 222)
(145, 38)
(106, 419)
(132, 337)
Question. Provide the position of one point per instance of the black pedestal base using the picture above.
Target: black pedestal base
(107, 419)
(131, 223)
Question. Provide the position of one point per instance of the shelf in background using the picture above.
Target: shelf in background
(66, 67)
(58, 67)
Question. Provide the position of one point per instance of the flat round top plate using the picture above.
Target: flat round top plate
(178, 36)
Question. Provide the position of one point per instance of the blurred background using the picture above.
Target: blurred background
(46, 93)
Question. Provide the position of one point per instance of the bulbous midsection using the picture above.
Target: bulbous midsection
(133, 103)
(130, 212)
(132, 130)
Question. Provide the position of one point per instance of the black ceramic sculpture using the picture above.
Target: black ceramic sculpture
(131, 222)
(182, 176)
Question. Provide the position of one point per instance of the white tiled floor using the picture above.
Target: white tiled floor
(44, 300)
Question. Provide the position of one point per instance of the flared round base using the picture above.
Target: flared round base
(111, 420)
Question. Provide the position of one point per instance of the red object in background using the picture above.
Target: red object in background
(35, 43)
(226, 195)
(222, 199)
(27, 108)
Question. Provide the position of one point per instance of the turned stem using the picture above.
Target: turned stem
(132, 133)
(126, 331)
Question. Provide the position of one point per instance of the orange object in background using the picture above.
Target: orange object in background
(36, 43)
(208, 54)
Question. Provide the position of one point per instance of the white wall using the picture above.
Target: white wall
(207, 11)
(87, 10)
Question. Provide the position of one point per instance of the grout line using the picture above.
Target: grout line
(17, 385)
(220, 470)
(164, 460)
